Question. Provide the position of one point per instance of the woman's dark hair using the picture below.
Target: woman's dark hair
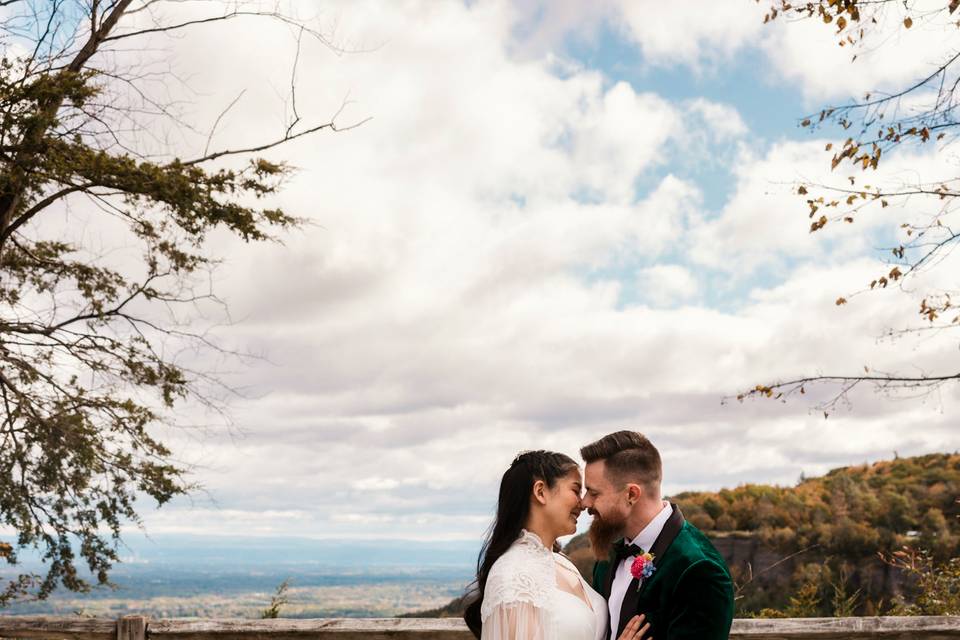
(513, 508)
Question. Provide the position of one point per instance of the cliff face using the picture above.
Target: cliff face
(766, 577)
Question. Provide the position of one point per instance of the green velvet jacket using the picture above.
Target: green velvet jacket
(689, 596)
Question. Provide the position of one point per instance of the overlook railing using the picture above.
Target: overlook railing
(141, 628)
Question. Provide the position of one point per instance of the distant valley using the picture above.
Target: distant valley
(197, 576)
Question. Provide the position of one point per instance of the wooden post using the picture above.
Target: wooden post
(132, 628)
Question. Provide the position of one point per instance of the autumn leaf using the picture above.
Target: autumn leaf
(802, 190)
(841, 300)
(908, 22)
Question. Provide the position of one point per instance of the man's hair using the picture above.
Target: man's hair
(629, 457)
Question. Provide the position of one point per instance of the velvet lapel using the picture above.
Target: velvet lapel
(632, 598)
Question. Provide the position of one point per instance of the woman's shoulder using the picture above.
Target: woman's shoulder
(527, 564)
(518, 576)
(525, 555)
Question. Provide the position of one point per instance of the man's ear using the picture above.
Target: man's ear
(634, 493)
(540, 491)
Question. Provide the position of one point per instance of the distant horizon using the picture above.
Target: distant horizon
(371, 550)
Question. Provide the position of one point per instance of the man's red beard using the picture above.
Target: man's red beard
(604, 532)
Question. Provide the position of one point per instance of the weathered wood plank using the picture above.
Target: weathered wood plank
(890, 628)
(290, 629)
(57, 628)
(131, 628)
(926, 628)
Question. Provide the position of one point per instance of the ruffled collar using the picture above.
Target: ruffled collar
(532, 539)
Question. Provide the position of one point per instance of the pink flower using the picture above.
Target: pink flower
(642, 566)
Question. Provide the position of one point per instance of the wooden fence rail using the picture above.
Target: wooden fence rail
(141, 628)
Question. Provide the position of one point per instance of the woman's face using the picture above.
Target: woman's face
(563, 503)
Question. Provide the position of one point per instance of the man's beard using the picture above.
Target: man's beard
(604, 532)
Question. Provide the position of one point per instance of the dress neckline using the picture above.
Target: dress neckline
(585, 603)
(533, 539)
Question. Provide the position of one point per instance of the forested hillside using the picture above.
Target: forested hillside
(852, 512)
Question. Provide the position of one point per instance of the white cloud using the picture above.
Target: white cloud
(665, 284)
(766, 223)
(694, 33)
(806, 52)
(460, 297)
(722, 120)
(619, 137)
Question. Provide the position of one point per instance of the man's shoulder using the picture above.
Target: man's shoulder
(692, 547)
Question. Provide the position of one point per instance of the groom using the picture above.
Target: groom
(689, 593)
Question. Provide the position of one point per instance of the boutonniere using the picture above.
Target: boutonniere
(642, 567)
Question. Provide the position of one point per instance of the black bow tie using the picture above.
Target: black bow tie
(623, 550)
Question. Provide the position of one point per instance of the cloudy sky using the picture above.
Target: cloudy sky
(557, 219)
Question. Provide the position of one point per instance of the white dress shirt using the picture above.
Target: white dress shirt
(622, 577)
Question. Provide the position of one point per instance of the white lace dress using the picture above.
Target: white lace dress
(522, 599)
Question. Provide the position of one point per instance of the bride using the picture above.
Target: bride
(525, 589)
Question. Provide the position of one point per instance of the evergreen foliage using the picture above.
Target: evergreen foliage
(89, 342)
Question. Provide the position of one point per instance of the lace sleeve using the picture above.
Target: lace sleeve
(516, 601)
(514, 621)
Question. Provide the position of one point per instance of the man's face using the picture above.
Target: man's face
(607, 503)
